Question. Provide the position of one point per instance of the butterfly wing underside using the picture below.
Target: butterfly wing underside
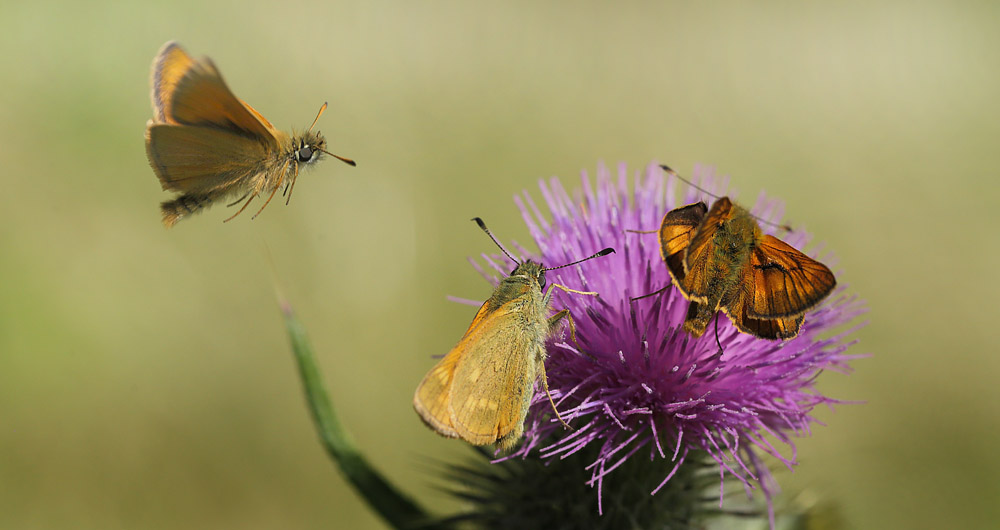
(169, 67)
(495, 379)
(481, 390)
(202, 136)
(432, 400)
(676, 232)
(200, 159)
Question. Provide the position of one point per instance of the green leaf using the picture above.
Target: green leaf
(398, 509)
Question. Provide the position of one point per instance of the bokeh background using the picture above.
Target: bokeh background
(145, 377)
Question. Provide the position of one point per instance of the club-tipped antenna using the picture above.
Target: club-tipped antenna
(482, 225)
(674, 174)
(604, 252)
(347, 161)
(318, 114)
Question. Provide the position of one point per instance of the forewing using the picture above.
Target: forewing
(192, 92)
(699, 255)
(782, 282)
(676, 231)
(201, 159)
(495, 378)
(433, 394)
(169, 66)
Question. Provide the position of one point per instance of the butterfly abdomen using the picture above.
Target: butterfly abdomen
(184, 206)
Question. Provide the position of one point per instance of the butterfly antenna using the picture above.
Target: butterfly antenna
(482, 225)
(320, 113)
(674, 174)
(347, 161)
(604, 252)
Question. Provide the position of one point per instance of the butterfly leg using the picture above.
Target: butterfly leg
(237, 201)
(241, 209)
(568, 290)
(556, 318)
(717, 341)
(545, 385)
(277, 186)
(553, 322)
(565, 313)
(291, 187)
(269, 197)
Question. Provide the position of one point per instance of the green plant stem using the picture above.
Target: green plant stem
(398, 509)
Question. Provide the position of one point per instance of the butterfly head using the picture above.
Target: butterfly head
(308, 147)
(532, 270)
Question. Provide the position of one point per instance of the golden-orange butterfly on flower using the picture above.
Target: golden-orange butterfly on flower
(481, 391)
(208, 145)
(719, 259)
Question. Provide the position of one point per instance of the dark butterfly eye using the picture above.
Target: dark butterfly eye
(305, 154)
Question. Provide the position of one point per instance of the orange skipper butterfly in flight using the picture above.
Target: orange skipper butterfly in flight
(481, 391)
(208, 145)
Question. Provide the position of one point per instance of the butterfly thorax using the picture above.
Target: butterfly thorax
(526, 278)
(733, 242)
(523, 288)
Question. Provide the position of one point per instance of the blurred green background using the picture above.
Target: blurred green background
(145, 376)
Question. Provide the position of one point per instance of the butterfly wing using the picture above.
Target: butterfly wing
(700, 252)
(433, 395)
(782, 282)
(676, 231)
(495, 378)
(200, 159)
(191, 92)
(169, 67)
(772, 329)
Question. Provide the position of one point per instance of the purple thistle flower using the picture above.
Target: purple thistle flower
(635, 383)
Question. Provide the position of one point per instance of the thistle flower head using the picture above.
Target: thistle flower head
(634, 384)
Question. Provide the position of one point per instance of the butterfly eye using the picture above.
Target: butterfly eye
(305, 154)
